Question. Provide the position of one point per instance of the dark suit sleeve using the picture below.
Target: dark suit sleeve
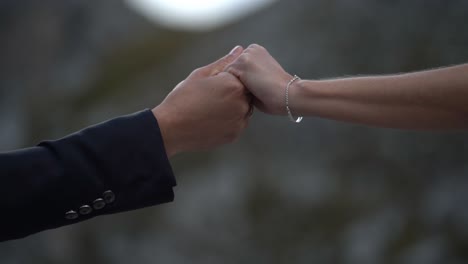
(115, 166)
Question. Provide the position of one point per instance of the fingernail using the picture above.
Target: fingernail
(234, 50)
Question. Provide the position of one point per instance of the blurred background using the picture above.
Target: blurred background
(318, 192)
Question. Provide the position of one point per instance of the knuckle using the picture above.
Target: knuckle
(245, 60)
(225, 75)
(230, 79)
(238, 85)
(230, 68)
(234, 71)
(234, 83)
(253, 46)
(197, 72)
(256, 46)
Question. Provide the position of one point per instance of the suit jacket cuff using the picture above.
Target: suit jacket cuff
(125, 155)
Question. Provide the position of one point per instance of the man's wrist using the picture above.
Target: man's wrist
(165, 127)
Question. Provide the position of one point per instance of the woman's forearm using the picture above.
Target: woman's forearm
(434, 99)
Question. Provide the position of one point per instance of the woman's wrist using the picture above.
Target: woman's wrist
(297, 96)
(305, 97)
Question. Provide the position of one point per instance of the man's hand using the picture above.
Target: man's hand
(264, 77)
(207, 109)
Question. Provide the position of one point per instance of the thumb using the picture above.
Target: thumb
(219, 65)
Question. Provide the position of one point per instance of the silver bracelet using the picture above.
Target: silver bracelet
(291, 117)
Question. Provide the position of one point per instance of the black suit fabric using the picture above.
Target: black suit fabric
(118, 165)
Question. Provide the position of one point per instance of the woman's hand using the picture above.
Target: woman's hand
(264, 77)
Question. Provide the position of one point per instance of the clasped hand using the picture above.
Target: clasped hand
(213, 105)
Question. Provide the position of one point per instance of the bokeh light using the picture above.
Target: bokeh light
(196, 15)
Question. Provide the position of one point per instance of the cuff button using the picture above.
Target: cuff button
(85, 209)
(99, 204)
(71, 215)
(109, 196)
